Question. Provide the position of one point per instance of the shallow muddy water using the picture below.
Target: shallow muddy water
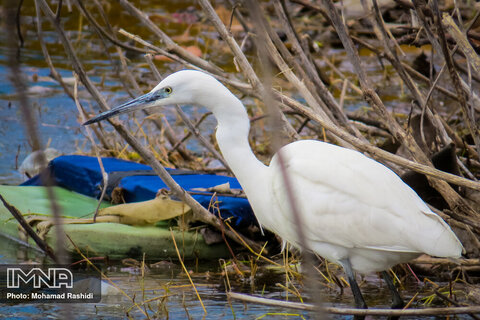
(165, 292)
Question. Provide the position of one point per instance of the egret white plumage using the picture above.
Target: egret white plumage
(356, 212)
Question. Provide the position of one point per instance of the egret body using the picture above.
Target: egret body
(356, 212)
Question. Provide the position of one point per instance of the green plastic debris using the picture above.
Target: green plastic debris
(114, 240)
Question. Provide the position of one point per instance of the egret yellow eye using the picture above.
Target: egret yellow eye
(168, 90)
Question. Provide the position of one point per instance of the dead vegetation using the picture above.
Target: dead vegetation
(432, 139)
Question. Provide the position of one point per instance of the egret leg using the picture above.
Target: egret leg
(397, 301)
(357, 294)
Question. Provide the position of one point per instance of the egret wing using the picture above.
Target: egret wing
(351, 201)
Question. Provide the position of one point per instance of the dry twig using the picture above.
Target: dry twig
(357, 312)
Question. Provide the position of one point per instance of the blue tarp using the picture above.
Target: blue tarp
(83, 175)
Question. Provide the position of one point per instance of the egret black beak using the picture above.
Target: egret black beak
(141, 102)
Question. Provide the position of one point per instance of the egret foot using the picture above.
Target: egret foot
(357, 294)
(397, 301)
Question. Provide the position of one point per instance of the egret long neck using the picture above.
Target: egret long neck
(232, 137)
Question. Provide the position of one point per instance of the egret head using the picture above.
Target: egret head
(183, 87)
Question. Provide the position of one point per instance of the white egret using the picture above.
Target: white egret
(357, 212)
